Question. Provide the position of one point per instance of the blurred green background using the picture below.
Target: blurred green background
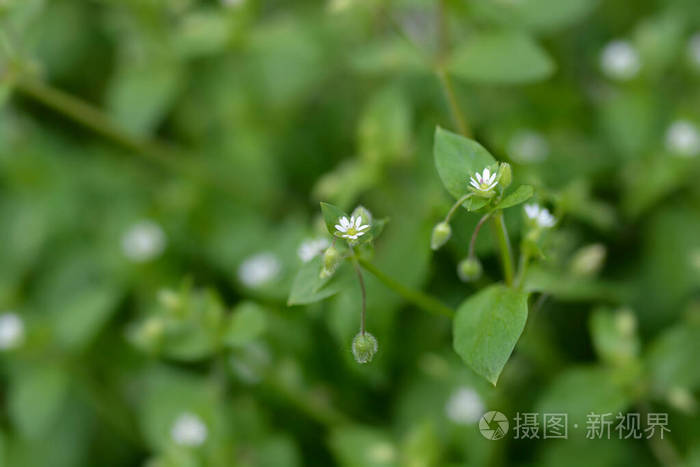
(161, 164)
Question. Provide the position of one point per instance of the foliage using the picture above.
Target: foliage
(173, 294)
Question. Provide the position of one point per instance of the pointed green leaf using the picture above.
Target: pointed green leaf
(522, 194)
(331, 214)
(247, 322)
(486, 328)
(309, 287)
(501, 58)
(458, 158)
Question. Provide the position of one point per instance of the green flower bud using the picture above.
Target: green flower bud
(588, 260)
(364, 346)
(505, 175)
(441, 234)
(469, 269)
(364, 213)
(331, 261)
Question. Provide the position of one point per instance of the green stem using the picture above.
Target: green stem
(358, 271)
(451, 97)
(419, 299)
(457, 204)
(472, 242)
(522, 267)
(94, 119)
(504, 246)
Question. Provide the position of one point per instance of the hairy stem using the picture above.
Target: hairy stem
(361, 280)
(457, 204)
(419, 299)
(499, 227)
(472, 242)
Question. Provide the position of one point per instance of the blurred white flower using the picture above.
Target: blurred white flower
(484, 182)
(683, 138)
(541, 216)
(351, 229)
(464, 406)
(143, 241)
(382, 452)
(620, 60)
(312, 247)
(694, 49)
(11, 330)
(232, 3)
(188, 430)
(259, 269)
(527, 146)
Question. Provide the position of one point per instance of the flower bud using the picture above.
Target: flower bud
(331, 260)
(441, 234)
(505, 175)
(588, 260)
(363, 212)
(469, 269)
(364, 346)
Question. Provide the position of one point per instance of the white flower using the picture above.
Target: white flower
(484, 182)
(312, 247)
(143, 241)
(259, 269)
(528, 146)
(620, 60)
(464, 406)
(694, 49)
(683, 139)
(11, 330)
(351, 229)
(189, 430)
(539, 215)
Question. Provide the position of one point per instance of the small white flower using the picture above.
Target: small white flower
(683, 139)
(527, 146)
(484, 182)
(539, 215)
(11, 330)
(620, 60)
(694, 49)
(259, 269)
(143, 241)
(188, 430)
(351, 229)
(312, 247)
(464, 406)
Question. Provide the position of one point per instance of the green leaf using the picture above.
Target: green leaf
(82, 316)
(672, 358)
(501, 58)
(522, 194)
(247, 322)
(331, 214)
(486, 328)
(35, 398)
(309, 287)
(614, 335)
(358, 446)
(535, 15)
(458, 158)
(579, 391)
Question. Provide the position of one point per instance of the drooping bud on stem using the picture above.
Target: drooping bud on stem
(331, 260)
(469, 269)
(441, 234)
(364, 347)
